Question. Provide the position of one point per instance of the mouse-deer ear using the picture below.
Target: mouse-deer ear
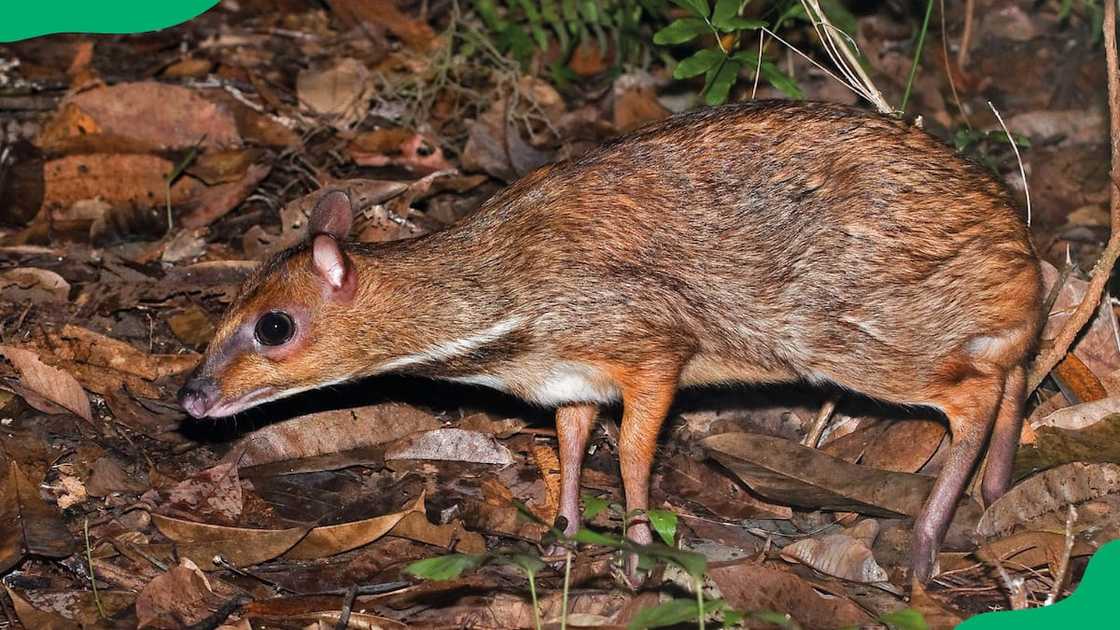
(333, 266)
(333, 215)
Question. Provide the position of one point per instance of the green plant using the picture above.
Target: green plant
(990, 148)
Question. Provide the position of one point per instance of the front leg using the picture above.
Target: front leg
(573, 428)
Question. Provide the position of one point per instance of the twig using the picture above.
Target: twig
(948, 68)
(1016, 587)
(1063, 568)
(966, 36)
(842, 50)
(92, 575)
(347, 606)
(1103, 267)
(1018, 158)
(816, 430)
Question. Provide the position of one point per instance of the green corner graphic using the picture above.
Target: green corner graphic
(23, 19)
(1092, 605)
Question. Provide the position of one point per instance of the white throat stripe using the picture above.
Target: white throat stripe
(456, 347)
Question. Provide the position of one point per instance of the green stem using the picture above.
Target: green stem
(700, 602)
(567, 579)
(917, 56)
(533, 595)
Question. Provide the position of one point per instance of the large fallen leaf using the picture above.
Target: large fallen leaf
(1049, 491)
(701, 483)
(334, 539)
(53, 384)
(34, 285)
(415, 526)
(32, 617)
(239, 546)
(394, 146)
(27, 524)
(905, 446)
(115, 180)
(385, 14)
(454, 445)
(1080, 416)
(213, 495)
(1053, 446)
(840, 555)
(330, 432)
(180, 598)
(139, 117)
(213, 203)
(783, 471)
(1033, 549)
(756, 587)
(1097, 347)
(75, 343)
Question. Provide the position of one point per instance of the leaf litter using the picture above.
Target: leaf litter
(234, 132)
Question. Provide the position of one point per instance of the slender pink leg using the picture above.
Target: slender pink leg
(573, 428)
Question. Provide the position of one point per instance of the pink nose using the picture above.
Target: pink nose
(198, 396)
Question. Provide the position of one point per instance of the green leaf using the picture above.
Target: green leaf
(446, 567)
(593, 506)
(693, 563)
(699, 8)
(781, 80)
(664, 523)
(680, 31)
(907, 619)
(722, 82)
(536, 26)
(741, 24)
(782, 620)
(698, 63)
(724, 11)
(590, 537)
(673, 612)
(531, 565)
(488, 11)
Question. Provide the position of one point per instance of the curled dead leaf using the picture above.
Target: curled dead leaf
(53, 384)
(1049, 491)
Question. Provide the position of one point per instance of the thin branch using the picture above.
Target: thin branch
(1103, 268)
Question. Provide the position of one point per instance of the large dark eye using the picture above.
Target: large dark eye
(274, 328)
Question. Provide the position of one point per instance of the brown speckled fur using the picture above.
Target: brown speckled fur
(757, 242)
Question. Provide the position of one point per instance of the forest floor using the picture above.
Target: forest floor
(143, 177)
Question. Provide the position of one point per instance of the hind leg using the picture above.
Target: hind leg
(970, 406)
(1005, 437)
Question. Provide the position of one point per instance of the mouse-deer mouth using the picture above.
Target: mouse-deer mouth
(226, 408)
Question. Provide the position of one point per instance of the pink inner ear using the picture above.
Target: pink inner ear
(333, 214)
(329, 261)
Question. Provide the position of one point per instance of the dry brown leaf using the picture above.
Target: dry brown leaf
(108, 477)
(55, 385)
(840, 555)
(937, 615)
(329, 540)
(330, 432)
(783, 471)
(138, 117)
(394, 146)
(1033, 549)
(485, 423)
(1077, 381)
(548, 465)
(239, 546)
(905, 446)
(1097, 345)
(211, 204)
(455, 445)
(213, 495)
(34, 285)
(753, 587)
(31, 617)
(28, 525)
(192, 326)
(415, 526)
(700, 483)
(635, 102)
(385, 14)
(179, 598)
(339, 91)
(224, 167)
(1080, 416)
(117, 180)
(82, 345)
(1049, 491)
